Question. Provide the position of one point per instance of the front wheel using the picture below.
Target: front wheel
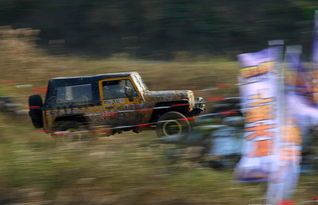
(173, 123)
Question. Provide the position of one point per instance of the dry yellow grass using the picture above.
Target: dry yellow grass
(21, 61)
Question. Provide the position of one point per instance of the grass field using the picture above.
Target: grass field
(121, 169)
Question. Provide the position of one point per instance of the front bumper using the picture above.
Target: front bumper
(198, 107)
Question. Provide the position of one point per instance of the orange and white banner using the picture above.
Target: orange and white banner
(259, 88)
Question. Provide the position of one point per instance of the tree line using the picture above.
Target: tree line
(158, 29)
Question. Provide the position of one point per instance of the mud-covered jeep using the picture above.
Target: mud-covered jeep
(116, 101)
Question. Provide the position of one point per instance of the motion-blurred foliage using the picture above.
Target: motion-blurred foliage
(158, 28)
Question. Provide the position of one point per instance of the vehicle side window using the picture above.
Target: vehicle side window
(76, 94)
(116, 89)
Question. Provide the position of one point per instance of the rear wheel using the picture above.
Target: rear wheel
(72, 131)
(173, 123)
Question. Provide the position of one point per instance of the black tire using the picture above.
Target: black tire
(173, 123)
(35, 110)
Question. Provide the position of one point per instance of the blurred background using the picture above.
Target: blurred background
(159, 29)
(173, 44)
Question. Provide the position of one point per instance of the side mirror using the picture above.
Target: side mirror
(129, 93)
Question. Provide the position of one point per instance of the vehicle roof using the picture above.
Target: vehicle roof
(94, 77)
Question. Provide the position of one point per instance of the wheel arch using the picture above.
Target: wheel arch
(160, 108)
(75, 117)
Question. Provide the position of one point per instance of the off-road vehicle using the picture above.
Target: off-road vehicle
(118, 101)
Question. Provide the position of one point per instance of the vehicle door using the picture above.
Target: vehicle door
(120, 100)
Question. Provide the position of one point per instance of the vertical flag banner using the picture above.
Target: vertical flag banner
(277, 114)
(259, 87)
(287, 147)
(299, 90)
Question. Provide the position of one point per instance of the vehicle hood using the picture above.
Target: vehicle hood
(170, 95)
